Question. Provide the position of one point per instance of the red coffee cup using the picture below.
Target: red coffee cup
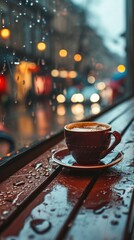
(89, 142)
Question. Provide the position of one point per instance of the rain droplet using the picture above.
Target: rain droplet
(53, 209)
(46, 174)
(100, 210)
(26, 146)
(126, 213)
(38, 165)
(23, 82)
(33, 174)
(37, 177)
(30, 181)
(117, 215)
(28, 177)
(40, 225)
(29, 103)
(18, 78)
(19, 183)
(60, 215)
(120, 191)
(31, 236)
(9, 199)
(114, 222)
(5, 212)
(53, 150)
(105, 216)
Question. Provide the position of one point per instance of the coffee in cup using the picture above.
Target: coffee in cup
(89, 142)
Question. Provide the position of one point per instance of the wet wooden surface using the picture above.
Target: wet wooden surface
(42, 200)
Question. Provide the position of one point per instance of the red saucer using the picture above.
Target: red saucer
(65, 159)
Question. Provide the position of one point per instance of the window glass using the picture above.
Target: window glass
(60, 61)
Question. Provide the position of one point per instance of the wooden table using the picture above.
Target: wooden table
(42, 200)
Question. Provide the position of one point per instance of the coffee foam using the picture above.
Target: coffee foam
(84, 128)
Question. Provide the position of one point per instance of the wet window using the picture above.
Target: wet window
(60, 61)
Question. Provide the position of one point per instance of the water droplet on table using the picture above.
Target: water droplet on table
(38, 165)
(40, 226)
(100, 210)
(19, 183)
(114, 222)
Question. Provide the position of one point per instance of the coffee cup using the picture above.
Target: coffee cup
(89, 142)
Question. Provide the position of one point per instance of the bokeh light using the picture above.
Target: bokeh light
(41, 46)
(77, 97)
(100, 86)
(55, 73)
(91, 79)
(63, 53)
(63, 74)
(60, 98)
(121, 68)
(95, 97)
(77, 57)
(5, 33)
(72, 74)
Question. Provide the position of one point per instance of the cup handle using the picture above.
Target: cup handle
(117, 140)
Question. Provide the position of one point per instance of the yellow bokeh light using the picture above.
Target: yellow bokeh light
(72, 74)
(77, 97)
(100, 86)
(5, 33)
(60, 98)
(91, 79)
(55, 73)
(77, 57)
(41, 46)
(63, 74)
(121, 68)
(63, 53)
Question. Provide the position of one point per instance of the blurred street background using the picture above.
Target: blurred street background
(60, 61)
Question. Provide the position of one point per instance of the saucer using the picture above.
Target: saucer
(65, 159)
